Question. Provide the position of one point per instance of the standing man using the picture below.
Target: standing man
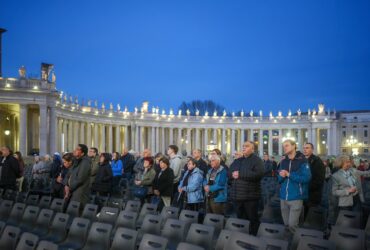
(9, 169)
(318, 177)
(175, 165)
(201, 164)
(139, 165)
(246, 174)
(294, 178)
(94, 157)
(78, 186)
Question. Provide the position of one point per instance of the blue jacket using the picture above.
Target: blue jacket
(117, 167)
(295, 187)
(220, 184)
(194, 189)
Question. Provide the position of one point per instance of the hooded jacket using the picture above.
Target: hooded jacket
(194, 189)
(295, 187)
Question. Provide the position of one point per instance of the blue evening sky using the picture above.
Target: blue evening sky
(269, 55)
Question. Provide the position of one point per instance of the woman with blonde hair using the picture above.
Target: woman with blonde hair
(347, 184)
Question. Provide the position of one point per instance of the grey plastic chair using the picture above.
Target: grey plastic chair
(5, 209)
(41, 226)
(73, 209)
(174, 231)
(239, 225)
(241, 241)
(33, 200)
(223, 238)
(77, 234)
(347, 238)
(276, 244)
(303, 232)
(27, 241)
(215, 220)
(151, 225)
(133, 206)
(348, 219)
(45, 201)
(189, 217)
(58, 228)
(307, 243)
(99, 236)
(201, 235)
(108, 215)
(47, 245)
(274, 231)
(9, 237)
(90, 211)
(57, 205)
(29, 218)
(16, 214)
(153, 242)
(126, 219)
(124, 237)
(187, 246)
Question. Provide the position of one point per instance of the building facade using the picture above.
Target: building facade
(37, 118)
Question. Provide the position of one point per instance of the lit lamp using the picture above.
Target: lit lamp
(351, 141)
(288, 137)
(7, 132)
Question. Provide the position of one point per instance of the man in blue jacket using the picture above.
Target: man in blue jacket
(294, 177)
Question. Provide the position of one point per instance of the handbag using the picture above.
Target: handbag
(140, 192)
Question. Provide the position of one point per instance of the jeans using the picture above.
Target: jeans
(291, 212)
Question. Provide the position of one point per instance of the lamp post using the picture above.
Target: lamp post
(351, 141)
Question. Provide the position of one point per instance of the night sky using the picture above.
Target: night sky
(269, 55)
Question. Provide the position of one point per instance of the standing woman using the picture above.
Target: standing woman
(163, 182)
(117, 167)
(19, 157)
(191, 186)
(347, 185)
(103, 180)
(60, 180)
(144, 187)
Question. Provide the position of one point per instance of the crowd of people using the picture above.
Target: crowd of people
(198, 183)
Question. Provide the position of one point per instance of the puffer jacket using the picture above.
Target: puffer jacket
(220, 184)
(194, 189)
(295, 187)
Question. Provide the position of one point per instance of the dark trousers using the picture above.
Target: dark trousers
(248, 210)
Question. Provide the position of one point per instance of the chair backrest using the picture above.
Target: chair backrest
(33, 199)
(201, 235)
(47, 245)
(127, 219)
(73, 209)
(43, 221)
(16, 214)
(27, 241)
(108, 215)
(223, 238)
(243, 241)
(77, 232)
(9, 237)
(2, 226)
(147, 208)
(303, 232)
(274, 231)
(21, 197)
(169, 212)
(276, 244)
(115, 202)
(10, 194)
(90, 211)
(239, 225)
(174, 231)
(101, 201)
(99, 236)
(348, 219)
(45, 201)
(151, 241)
(5, 208)
(29, 218)
(124, 237)
(307, 243)
(189, 216)
(316, 218)
(133, 205)
(57, 205)
(58, 228)
(215, 220)
(347, 238)
(151, 224)
(187, 246)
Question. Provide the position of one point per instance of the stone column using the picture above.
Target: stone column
(242, 138)
(75, 134)
(197, 138)
(232, 141)
(64, 145)
(118, 139)
(154, 149)
(126, 136)
(82, 133)
(300, 142)
(96, 136)
(142, 138)
(223, 141)
(270, 142)
(163, 141)
(251, 136)
(171, 135)
(328, 142)
(280, 142)
(43, 130)
(59, 135)
(157, 139)
(314, 138)
(88, 134)
(23, 110)
(70, 136)
(110, 138)
(53, 131)
(260, 142)
(188, 138)
(102, 143)
(205, 140)
(215, 136)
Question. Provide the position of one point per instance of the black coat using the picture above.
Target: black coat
(128, 163)
(248, 186)
(317, 180)
(164, 182)
(10, 171)
(103, 179)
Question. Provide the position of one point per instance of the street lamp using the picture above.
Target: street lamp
(351, 141)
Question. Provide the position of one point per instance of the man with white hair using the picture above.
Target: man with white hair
(216, 186)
